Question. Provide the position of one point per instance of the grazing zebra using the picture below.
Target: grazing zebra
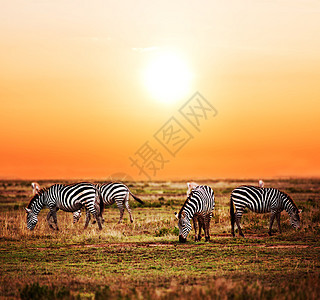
(113, 192)
(65, 197)
(198, 206)
(262, 200)
(198, 219)
(35, 187)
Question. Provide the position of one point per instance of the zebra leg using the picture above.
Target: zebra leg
(126, 203)
(271, 222)
(88, 217)
(238, 219)
(98, 218)
(97, 214)
(195, 225)
(232, 216)
(207, 227)
(121, 208)
(54, 216)
(232, 227)
(201, 225)
(278, 215)
(49, 216)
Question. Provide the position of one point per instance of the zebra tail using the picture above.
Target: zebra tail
(136, 198)
(232, 215)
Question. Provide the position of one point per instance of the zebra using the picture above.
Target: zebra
(198, 219)
(65, 197)
(262, 200)
(113, 192)
(198, 206)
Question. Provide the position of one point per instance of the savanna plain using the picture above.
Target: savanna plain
(144, 260)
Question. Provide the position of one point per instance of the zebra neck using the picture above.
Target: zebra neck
(190, 210)
(288, 205)
(37, 206)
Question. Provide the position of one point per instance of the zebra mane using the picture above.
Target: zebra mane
(36, 196)
(184, 204)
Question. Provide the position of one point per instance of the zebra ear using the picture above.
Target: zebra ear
(299, 211)
(28, 210)
(176, 215)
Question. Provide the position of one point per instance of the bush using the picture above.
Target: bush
(166, 231)
(35, 291)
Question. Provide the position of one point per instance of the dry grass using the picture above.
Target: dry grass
(144, 260)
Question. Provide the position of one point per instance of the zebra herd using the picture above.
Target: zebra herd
(198, 206)
(73, 197)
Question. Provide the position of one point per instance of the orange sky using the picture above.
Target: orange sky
(74, 103)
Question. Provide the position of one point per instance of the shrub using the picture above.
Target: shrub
(35, 291)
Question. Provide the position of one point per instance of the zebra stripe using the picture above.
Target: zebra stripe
(262, 200)
(113, 192)
(67, 198)
(198, 206)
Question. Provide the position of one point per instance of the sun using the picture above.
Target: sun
(167, 77)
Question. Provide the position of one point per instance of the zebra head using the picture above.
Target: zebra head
(32, 219)
(295, 218)
(184, 226)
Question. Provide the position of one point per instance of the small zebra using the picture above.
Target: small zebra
(67, 198)
(262, 200)
(198, 206)
(113, 192)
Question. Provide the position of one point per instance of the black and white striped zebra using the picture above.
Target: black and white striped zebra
(113, 192)
(262, 200)
(65, 197)
(198, 206)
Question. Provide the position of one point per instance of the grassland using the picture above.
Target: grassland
(144, 260)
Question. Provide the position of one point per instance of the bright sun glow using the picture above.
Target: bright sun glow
(168, 78)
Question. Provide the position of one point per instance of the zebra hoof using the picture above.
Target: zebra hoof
(208, 239)
(269, 232)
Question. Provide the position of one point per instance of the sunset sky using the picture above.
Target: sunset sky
(88, 89)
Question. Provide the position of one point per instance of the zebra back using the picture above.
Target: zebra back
(200, 200)
(74, 196)
(112, 191)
